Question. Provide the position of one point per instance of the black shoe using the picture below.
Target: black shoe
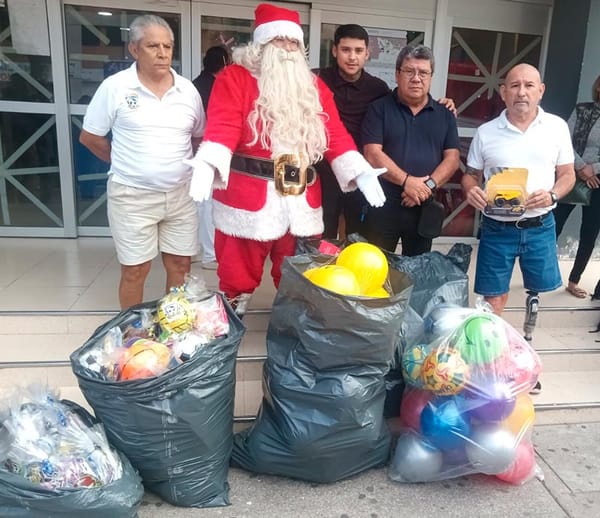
(537, 388)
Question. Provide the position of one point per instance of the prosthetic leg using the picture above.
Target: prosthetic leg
(531, 311)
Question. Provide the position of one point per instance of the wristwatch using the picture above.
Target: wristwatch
(430, 183)
(553, 196)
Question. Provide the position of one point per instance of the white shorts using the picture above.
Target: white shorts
(144, 222)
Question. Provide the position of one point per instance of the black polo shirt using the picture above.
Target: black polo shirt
(416, 143)
(353, 98)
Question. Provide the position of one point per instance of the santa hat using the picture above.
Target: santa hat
(272, 22)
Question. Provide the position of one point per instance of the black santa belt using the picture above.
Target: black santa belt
(285, 171)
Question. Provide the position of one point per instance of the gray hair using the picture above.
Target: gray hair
(415, 52)
(139, 25)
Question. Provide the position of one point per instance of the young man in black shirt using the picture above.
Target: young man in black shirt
(353, 90)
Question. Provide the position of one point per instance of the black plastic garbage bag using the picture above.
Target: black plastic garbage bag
(119, 499)
(437, 278)
(177, 428)
(321, 417)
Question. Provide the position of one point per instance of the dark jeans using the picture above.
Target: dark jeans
(588, 231)
(392, 222)
(335, 202)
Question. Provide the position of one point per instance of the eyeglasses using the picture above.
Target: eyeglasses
(411, 72)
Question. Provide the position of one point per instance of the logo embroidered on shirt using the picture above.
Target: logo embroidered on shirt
(132, 101)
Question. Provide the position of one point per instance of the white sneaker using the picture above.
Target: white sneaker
(240, 303)
(211, 265)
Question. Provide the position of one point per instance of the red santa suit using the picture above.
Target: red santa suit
(253, 220)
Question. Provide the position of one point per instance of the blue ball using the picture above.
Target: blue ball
(444, 423)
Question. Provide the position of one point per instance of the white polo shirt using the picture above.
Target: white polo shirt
(150, 136)
(545, 144)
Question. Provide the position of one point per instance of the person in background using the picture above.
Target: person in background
(522, 136)
(215, 60)
(416, 140)
(154, 114)
(353, 90)
(269, 120)
(584, 125)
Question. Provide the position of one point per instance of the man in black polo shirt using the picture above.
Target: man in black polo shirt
(416, 140)
(353, 89)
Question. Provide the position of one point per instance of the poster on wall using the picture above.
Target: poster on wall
(384, 46)
(29, 27)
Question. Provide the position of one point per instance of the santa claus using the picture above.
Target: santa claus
(269, 118)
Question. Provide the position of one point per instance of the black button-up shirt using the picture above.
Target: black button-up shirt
(416, 143)
(353, 98)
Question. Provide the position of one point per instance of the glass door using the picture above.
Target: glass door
(30, 185)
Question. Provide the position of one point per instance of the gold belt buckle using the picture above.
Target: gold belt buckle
(290, 176)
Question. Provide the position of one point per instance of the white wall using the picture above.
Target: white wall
(591, 56)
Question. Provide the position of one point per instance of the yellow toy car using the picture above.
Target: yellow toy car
(508, 198)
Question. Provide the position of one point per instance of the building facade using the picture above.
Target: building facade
(54, 54)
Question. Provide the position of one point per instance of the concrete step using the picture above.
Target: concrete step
(570, 355)
(555, 317)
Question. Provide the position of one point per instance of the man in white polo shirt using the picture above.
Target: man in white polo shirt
(523, 136)
(156, 118)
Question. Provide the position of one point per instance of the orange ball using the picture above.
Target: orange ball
(521, 419)
(144, 359)
(367, 262)
(337, 279)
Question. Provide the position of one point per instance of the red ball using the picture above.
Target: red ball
(523, 467)
(413, 403)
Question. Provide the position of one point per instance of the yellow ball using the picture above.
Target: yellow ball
(337, 279)
(444, 372)
(378, 293)
(368, 263)
(175, 313)
(308, 273)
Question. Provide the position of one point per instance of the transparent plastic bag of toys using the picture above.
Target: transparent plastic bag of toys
(51, 451)
(156, 340)
(466, 407)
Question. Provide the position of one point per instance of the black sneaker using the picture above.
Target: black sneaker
(537, 388)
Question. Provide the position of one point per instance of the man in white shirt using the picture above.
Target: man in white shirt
(523, 136)
(156, 118)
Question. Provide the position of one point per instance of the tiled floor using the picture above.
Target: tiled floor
(82, 275)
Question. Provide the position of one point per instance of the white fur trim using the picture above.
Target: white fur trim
(219, 156)
(347, 167)
(280, 214)
(265, 32)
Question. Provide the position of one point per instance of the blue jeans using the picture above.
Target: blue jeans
(501, 244)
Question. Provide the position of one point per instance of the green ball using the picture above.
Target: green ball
(412, 361)
(481, 339)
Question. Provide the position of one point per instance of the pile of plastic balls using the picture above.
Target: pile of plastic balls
(466, 408)
(360, 269)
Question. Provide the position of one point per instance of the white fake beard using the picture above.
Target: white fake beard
(288, 114)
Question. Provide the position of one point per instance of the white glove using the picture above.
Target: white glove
(369, 185)
(203, 177)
